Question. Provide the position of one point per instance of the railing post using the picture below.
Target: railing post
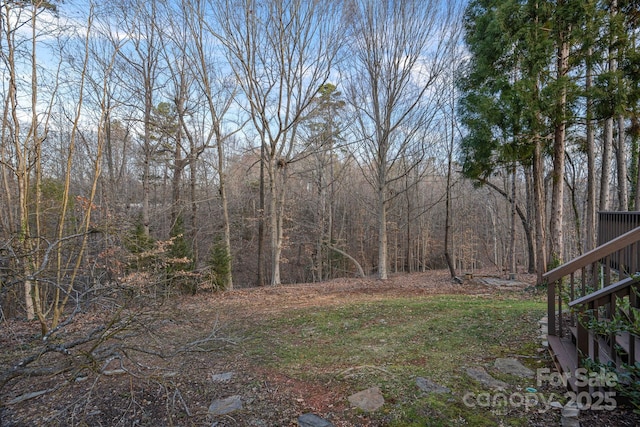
(560, 323)
(593, 337)
(633, 302)
(551, 308)
(612, 336)
(582, 337)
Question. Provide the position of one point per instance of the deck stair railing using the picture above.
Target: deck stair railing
(594, 285)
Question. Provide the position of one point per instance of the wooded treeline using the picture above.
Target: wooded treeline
(165, 147)
(552, 90)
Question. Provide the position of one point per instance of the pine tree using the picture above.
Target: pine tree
(180, 259)
(220, 265)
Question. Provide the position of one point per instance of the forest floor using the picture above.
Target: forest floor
(280, 352)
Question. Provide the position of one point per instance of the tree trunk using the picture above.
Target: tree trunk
(621, 160)
(222, 178)
(194, 205)
(605, 173)
(447, 216)
(277, 175)
(146, 166)
(512, 220)
(538, 194)
(382, 221)
(261, 209)
(529, 227)
(557, 191)
(635, 126)
(526, 224)
(590, 225)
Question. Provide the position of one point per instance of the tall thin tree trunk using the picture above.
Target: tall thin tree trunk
(408, 235)
(447, 216)
(146, 166)
(591, 162)
(193, 181)
(512, 222)
(538, 194)
(222, 178)
(557, 192)
(635, 126)
(261, 209)
(382, 218)
(608, 125)
(621, 160)
(605, 174)
(277, 172)
(529, 226)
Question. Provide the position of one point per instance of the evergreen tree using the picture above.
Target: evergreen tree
(324, 134)
(502, 105)
(220, 265)
(180, 259)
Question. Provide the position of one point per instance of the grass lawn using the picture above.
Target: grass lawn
(389, 343)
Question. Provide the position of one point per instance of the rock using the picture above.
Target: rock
(429, 386)
(570, 412)
(312, 420)
(480, 375)
(513, 367)
(556, 405)
(369, 400)
(569, 422)
(220, 378)
(225, 406)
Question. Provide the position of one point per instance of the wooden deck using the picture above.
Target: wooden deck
(595, 288)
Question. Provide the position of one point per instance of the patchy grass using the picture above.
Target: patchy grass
(390, 343)
(292, 350)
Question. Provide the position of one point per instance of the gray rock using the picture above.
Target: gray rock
(220, 378)
(570, 412)
(312, 420)
(569, 422)
(369, 400)
(429, 386)
(225, 406)
(480, 375)
(513, 367)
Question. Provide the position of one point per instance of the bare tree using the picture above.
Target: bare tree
(141, 54)
(199, 55)
(281, 53)
(23, 27)
(399, 51)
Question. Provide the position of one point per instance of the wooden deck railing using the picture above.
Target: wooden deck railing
(590, 272)
(615, 224)
(611, 347)
(593, 285)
